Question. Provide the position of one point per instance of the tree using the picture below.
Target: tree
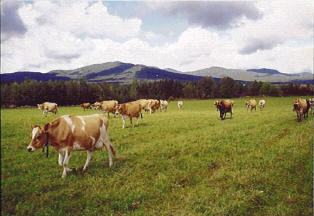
(227, 87)
(206, 86)
(255, 87)
(188, 90)
(265, 89)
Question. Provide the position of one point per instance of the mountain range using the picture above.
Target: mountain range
(124, 73)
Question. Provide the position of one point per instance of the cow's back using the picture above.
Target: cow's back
(49, 106)
(131, 108)
(82, 130)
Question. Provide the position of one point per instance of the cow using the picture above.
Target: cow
(311, 101)
(96, 105)
(154, 105)
(227, 100)
(48, 107)
(250, 104)
(109, 106)
(261, 104)
(301, 107)
(180, 105)
(224, 107)
(163, 105)
(73, 133)
(86, 106)
(145, 105)
(129, 110)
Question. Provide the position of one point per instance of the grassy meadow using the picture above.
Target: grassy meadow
(179, 162)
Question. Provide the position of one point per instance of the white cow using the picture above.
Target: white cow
(48, 107)
(180, 104)
(261, 104)
(163, 105)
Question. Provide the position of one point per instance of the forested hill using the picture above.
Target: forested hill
(126, 73)
(111, 72)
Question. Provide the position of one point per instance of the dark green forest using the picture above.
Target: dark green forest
(75, 92)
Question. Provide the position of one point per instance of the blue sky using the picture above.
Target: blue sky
(183, 35)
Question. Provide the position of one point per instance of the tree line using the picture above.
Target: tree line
(75, 92)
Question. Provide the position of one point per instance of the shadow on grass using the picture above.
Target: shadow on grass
(97, 167)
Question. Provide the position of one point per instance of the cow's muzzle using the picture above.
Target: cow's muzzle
(30, 149)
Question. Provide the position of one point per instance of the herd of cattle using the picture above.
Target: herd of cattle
(70, 133)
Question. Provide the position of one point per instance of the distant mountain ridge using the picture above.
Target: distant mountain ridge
(263, 74)
(124, 73)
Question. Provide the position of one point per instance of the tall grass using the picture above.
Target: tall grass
(179, 162)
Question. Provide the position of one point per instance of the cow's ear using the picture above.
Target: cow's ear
(32, 126)
(47, 126)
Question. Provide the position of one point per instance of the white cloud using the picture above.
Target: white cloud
(68, 35)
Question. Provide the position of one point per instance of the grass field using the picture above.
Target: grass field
(186, 162)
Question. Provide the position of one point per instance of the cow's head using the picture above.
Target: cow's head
(38, 138)
(220, 106)
(117, 109)
(40, 106)
(296, 104)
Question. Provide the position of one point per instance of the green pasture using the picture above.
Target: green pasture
(179, 162)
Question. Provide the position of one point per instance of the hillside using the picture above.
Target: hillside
(264, 75)
(124, 73)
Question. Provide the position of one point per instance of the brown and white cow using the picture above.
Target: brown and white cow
(73, 133)
(154, 105)
(96, 105)
(129, 110)
(311, 101)
(163, 105)
(108, 106)
(225, 106)
(301, 107)
(250, 104)
(145, 105)
(48, 107)
(86, 106)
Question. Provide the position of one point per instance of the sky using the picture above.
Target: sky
(44, 35)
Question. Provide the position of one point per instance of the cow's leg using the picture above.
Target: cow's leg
(137, 118)
(89, 156)
(66, 162)
(61, 158)
(109, 147)
(131, 121)
(108, 115)
(123, 121)
(231, 112)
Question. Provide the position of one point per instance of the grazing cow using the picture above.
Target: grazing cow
(48, 107)
(180, 104)
(163, 105)
(109, 106)
(250, 104)
(261, 104)
(154, 105)
(129, 110)
(301, 107)
(224, 107)
(73, 133)
(96, 105)
(145, 105)
(311, 101)
(86, 106)
(227, 100)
